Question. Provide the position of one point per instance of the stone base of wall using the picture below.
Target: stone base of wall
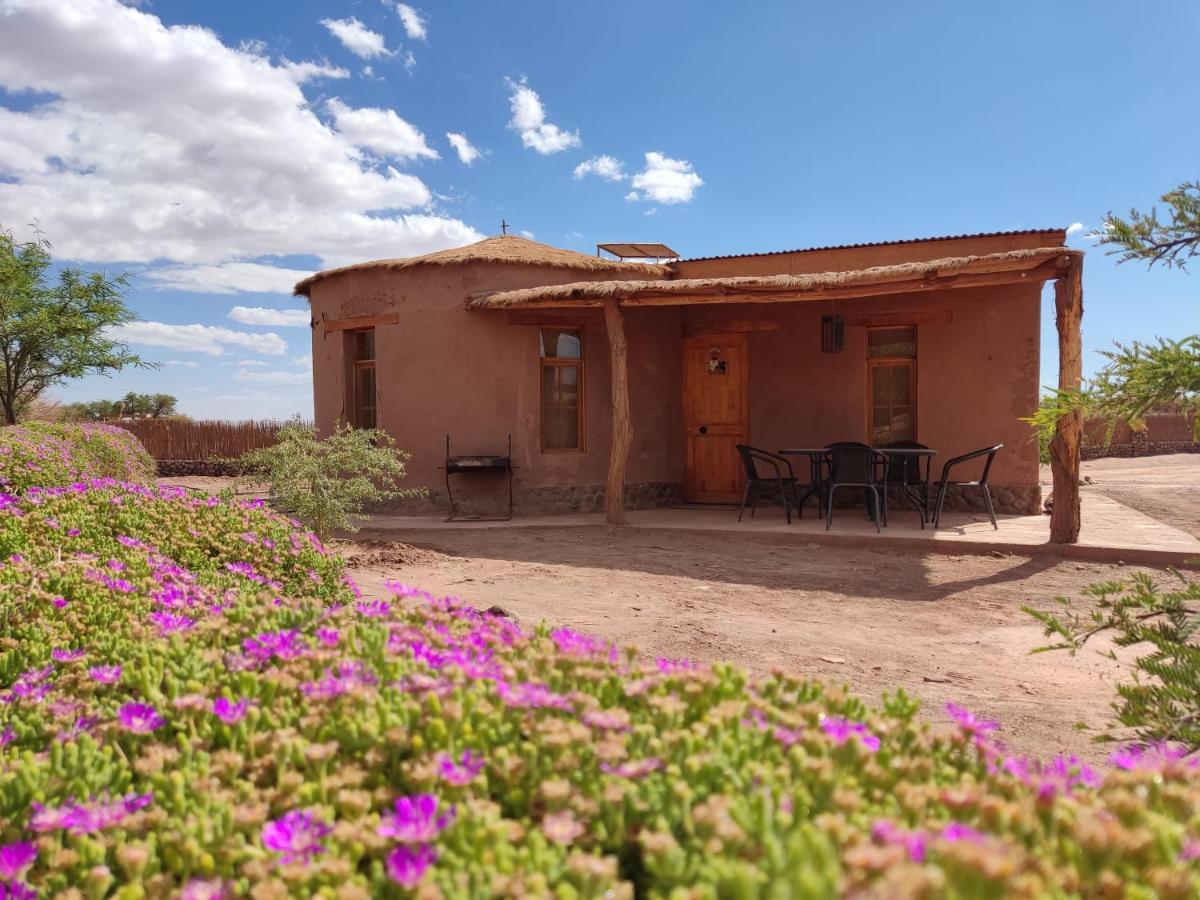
(178, 468)
(530, 501)
(1137, 448)
(1016, 499)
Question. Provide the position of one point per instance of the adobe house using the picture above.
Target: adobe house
(629, 383)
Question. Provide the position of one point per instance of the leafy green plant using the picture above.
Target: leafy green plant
(58, 453)
(327, 483)
(1162, 703)
(1143, 236)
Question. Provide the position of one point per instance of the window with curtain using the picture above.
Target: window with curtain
(561, 356)
(892, 384)
(361, 377)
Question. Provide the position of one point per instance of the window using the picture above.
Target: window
(360, 346)
(892, 384)
(561, 352)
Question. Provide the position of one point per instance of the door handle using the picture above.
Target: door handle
(703, 429)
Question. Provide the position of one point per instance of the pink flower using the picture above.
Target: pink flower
(105, 674)
(63, 655)
(296, 835)
(140, 718)
(415, 820)
(462, 772)
(197, 889)
(373, 609)
(229, 712)
(328, 636)
(15, 858)
(638, 768)
(407, 865)
(561, 827)
(1148, 756)
(841, 730)
(968, 721)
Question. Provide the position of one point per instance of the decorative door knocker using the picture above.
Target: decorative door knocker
(716, 365)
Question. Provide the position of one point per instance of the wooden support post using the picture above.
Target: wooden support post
(622, 427)
(1068, 432)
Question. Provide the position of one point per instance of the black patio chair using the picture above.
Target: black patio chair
(850, 464)
(755, 482)
(981, 482)
(905, 472)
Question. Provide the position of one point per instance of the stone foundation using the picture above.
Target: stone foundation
(491, 499)
(1016, 499)
(1139, 446)
(177, 468)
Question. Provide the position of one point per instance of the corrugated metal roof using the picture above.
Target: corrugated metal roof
(945, 237)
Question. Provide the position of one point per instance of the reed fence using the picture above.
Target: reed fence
(178, 439)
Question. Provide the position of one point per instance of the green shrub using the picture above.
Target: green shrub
(59, 453)
(196, 700)
(327, 483)
(1162, 703)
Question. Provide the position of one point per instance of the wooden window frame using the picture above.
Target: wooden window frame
(874, 362)
(354, 368)
(558, 362)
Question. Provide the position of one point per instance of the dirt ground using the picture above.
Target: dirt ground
(943, 627)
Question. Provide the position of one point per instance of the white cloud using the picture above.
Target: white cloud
(666, 180)
(357, 37)
(380, 130)
(529, 120)
(258, 315)
(415, 25)
(304, 361)
(226, 278)
(248, 362)
(273, 377)
(467, 153)
(186, 363)
(607, 167)
(1074, 227)
(162, 143)
(410, 61)
(632, 196)
(308, 71)
(652, 211)
(210, 339)
(527, 234)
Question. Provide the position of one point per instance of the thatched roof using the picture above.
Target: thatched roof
(505, 249)
(962, 271)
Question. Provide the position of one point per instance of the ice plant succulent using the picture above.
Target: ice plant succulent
(296, 836)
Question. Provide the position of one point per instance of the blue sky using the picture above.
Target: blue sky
(216, 150)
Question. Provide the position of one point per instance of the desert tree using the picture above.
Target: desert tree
(54, 327)
(1143, 236)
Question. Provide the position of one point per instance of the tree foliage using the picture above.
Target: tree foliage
(154, 406)
(327, 483)
(1144, 236)
(54, 328)
(1162, 703)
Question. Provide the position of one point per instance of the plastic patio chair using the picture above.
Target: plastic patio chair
(905, 472)
(981, 482)
(854, 465)
(755, 482)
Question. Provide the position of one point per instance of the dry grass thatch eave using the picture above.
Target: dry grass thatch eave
(593, 293)
(507, 249)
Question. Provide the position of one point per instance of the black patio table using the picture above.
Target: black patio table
(815, 455)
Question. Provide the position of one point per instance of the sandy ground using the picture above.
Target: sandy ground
(943, 627)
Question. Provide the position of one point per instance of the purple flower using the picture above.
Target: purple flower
(574, 643)
(957, 831)
(105, 674)
(912, 841)
(7, 736)
(17, 891)
(60, 602)
(199, 889)
(228, 712)
(1147, 756)
(328, 636)
(296, 835)
(841, 730)
(281, 644)
(462, 772)
(62, 655)
(347, 676)
(530, 695)
(407, 865)
(675, 666)
(170, 623)
(969, 722)
(638, 768)
(415, 819)
(373, 609)
(14, 858)
(86, 818)
(140, 718)
(1190, 851)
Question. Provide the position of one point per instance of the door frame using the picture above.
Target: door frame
(725, 334)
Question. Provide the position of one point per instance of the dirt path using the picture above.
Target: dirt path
(942, 627)
(1166, 488)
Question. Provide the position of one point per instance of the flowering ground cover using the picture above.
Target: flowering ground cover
(56, 453)
(195, 701)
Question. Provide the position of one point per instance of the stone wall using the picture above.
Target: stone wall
(530, 501)
(1016, 499)
(177, 468)
(1139, 445)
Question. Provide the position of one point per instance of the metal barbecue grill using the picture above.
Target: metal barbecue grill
(479, 464)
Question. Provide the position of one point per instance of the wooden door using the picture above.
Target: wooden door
(715, 406)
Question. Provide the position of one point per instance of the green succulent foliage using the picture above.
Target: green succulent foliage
(326, 484)
(57, 453)
(1143, 236)
(1162, 703)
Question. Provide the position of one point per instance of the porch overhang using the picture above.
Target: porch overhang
(1011, 267)
(1030, 266)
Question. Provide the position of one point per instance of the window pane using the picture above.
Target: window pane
(364, 396)
(901, 383)
(364, 344)
(892, 342)
(560, 343)
(881, 384)
(560, 408)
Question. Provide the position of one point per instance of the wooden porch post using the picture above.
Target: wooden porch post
(1068, 432)
(622, 427)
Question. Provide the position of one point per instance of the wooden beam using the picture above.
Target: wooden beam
(556, 317)
(1068, 431)
(737, 326)
(361, 322)
(911, 317)
(622, 427)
